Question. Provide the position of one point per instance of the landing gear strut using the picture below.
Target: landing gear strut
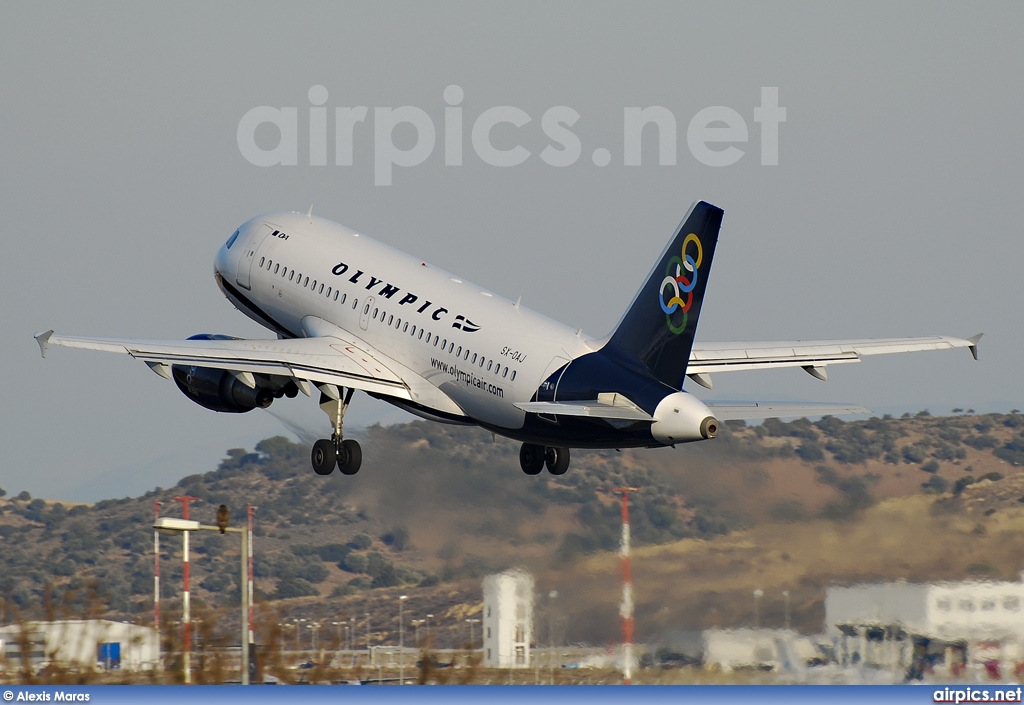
(533, 458)
(327, 453)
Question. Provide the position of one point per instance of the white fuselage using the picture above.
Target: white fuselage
(481, 350)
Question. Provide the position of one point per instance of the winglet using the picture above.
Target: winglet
(973, 347)
(44, 341)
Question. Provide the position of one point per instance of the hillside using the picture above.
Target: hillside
(779, 506)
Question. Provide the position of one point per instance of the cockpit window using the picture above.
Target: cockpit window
(231, 240)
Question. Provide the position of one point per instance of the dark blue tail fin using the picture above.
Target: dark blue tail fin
(659, 325)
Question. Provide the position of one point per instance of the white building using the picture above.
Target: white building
(508, 619)
(763, 649)
(891, 624)
(86, 644)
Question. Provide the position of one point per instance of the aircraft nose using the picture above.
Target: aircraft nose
(222, 262)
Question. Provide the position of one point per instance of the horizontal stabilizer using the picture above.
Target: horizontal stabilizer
(744, 410)
(594, 409)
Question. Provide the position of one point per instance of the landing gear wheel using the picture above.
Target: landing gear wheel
(323, 457)
(531, 458)
(350, 457)
(557, 460)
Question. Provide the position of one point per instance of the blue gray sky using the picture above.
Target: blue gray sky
(893, 210)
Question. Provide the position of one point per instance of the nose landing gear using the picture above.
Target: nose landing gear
(327, 453)
(533, 458)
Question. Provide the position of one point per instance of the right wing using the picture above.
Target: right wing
(746, 410)
(812, 355)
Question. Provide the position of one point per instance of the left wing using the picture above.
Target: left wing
(812, 355)
(321, 360)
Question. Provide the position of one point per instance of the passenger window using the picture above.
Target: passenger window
(451, 347)
(398, 323)
(481, 361)
(513, 375)
(270, 263)
(375, 312)
(435, 341)
(444, 343)
(284, 272)
(263, 260)
(277, 268)
(474, 358)
(489, 365)
(321, 288)
(505, 373)
(291, 276)
(355, 303)
(328, 292)
(406, 329)
(421, 332)
(459, 353)
(467, 353)
(336, 292)
(314, 285)
(343, 296)
(391, 319)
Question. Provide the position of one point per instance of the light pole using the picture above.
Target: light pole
(184, 527)
(401, 638)
(757, 607)
(341, 644)
(416, 623)
(367, 637)
(472, 641)
(313, 628)
(551, 635)
(298, 632)
(429, 617)
(352, 635)
(785, 597)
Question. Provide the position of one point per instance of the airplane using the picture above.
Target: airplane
(351, 313)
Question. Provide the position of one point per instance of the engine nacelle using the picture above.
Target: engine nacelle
(681, 418)
(219, 390)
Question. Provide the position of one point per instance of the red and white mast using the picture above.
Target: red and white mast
(156, 573)
(251, 509)
(186, 647)
(626, 608)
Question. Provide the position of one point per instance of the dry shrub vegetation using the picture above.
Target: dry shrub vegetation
(780, 506)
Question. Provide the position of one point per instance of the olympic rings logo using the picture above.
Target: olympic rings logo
(679, 282)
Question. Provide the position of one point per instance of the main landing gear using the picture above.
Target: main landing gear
(327, 453)
(533, 458)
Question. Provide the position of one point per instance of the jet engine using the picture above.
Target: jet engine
(220, 390)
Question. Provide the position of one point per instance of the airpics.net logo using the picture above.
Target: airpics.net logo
(715, 136)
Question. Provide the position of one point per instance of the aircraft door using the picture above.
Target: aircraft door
(245, 262)
(364, 314)
(549, 383)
